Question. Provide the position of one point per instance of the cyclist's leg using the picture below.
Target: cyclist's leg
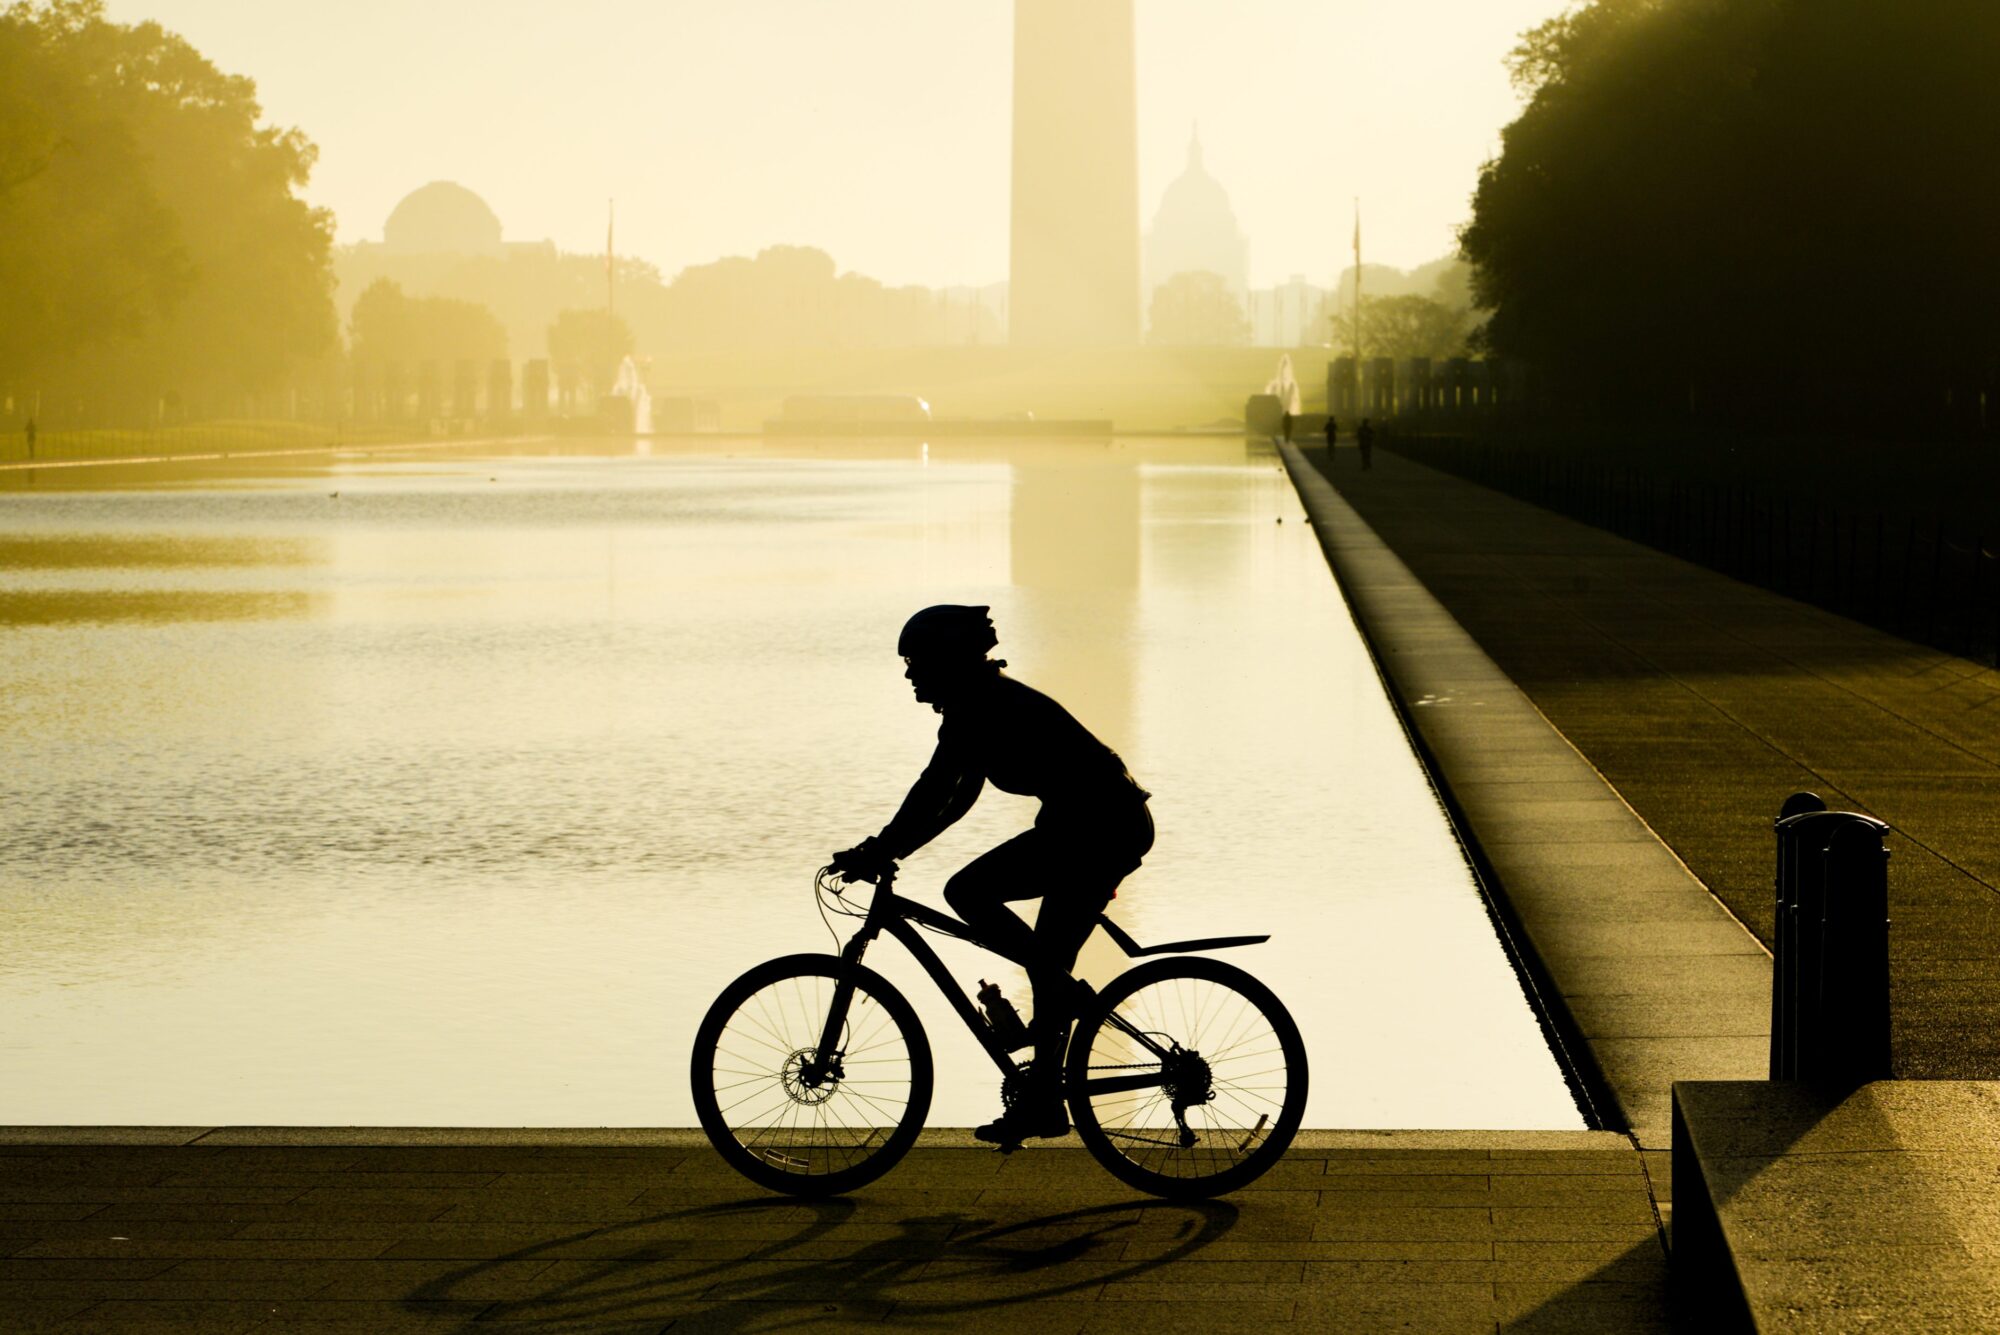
(1086, 863)
(1028, 867)
(1073, 868)
(981, 890)
(1070, 909)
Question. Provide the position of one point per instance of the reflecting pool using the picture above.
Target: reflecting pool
(448, 787)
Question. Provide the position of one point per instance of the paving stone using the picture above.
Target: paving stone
(1043, 1317)
(61, 1269)
(1403, 1225)
(169, 1317)
(196, 1248)
(361, 1315)
(36, 1318)
(1223, 1318)
(1359, 1250)
(1337, 1184)
(36, 1211)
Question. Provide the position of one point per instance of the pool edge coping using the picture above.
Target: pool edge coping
(1560, 927)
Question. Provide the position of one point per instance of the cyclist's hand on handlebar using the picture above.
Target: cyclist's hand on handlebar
(864, 862)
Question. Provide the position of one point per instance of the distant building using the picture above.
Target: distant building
(1074, 266)
(445, 220)
(1195, 230)
(1290, 315)
(442, 218)
(443, 240)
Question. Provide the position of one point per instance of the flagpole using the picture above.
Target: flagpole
(1357, 299)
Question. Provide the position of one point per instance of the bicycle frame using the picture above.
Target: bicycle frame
(899, 917)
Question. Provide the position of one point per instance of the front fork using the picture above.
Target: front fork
(825, 1062)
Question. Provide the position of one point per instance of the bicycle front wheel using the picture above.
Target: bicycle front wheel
(1186, 1078)
(796, 1120)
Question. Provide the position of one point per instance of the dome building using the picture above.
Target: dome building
(442, 218)
(443, 240)
(1195, 229)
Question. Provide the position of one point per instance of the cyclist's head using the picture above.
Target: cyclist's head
(945, 646)
(948, 632)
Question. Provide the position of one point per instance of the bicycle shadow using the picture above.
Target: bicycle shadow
(642, 1274)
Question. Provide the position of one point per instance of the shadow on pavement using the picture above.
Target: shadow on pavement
(777, 1264)
(1631, 1293)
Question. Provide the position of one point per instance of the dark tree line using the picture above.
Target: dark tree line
(152, 245)
(1762, 210)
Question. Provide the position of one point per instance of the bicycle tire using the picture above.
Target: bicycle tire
(758, 1114)
(1248, 1056)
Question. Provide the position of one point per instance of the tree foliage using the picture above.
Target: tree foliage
(1402, 327)
(1197, 309)
(1724, 192)
(149, 231)
(388, 326)
(794, 297)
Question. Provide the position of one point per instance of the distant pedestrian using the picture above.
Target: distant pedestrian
(1288, 426)
(1364, 436)
(31, 437)
(1332, 433)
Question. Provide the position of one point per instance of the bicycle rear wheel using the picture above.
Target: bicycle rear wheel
(1186, 1077)
(785, 1117)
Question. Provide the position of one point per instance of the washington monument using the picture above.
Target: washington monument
(1074, 272)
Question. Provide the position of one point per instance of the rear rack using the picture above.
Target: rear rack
(1135, 950)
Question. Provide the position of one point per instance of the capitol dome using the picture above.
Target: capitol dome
(1195, 229)
(442, 218)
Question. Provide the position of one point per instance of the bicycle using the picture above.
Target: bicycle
(1185, 1077)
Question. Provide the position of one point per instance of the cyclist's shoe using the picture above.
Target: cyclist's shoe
(1023, 1121)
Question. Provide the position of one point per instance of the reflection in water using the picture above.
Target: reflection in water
(118, 551)
(515, 758)
(57, 608)
(1074, 551)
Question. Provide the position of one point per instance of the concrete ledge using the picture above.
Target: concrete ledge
(331, 447)
(1813, 1211)
(1522, 1142)
(1636, 961)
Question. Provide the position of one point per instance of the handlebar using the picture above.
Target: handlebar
(837, 880)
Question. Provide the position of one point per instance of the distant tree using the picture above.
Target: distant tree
(783, 297)
(1745, 193)
(152, 233)
(592, 341)
(90, 251)
(388, 326)
(1403, 327)
(794, 297)
(1197, 309)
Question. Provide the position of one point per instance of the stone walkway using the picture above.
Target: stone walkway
(1705, 702)
(249, 1230)
(1643, 977)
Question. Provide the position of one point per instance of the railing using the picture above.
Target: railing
(1830, 975)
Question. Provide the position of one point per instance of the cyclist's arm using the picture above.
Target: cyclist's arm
(945, 791)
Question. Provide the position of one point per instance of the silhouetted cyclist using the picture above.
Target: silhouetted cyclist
(1091, 832)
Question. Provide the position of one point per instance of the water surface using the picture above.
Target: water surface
(448, 787)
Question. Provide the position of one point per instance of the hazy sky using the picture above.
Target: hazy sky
(875, 129)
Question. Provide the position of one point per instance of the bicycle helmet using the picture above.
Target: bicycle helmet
(947, 630)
